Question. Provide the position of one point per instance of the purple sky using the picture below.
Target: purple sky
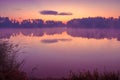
(78, 8)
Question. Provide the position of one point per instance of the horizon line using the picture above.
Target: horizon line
(21, 19)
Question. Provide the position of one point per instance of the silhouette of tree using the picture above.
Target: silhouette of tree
(90, 22)
(51, 23)
(95, 22)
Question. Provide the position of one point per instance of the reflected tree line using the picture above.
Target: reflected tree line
(10, 68)
(90, 22)
(84, 33)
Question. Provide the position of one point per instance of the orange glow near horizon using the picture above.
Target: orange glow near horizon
(24, 9)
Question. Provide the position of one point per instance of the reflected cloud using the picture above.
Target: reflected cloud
(65, 39)
(49, 41)
(73, 32)
(54, 40)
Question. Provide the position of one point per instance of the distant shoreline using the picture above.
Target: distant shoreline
(90, 22)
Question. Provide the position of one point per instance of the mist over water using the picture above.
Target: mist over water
(59, 39)
(55, 51)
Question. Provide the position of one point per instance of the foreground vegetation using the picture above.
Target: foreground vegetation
(87, 75)
(10, 68)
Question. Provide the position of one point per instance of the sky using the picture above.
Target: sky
(62, 10)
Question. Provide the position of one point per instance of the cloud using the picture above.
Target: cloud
(65, 13)
(51, 12)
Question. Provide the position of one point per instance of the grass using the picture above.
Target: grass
(95, 75)
(10, 68)
(87, 75)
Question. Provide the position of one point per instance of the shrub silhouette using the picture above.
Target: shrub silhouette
(9, 67)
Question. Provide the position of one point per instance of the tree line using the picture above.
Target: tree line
(90, 22)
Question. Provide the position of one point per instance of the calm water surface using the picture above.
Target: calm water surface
(54, 52)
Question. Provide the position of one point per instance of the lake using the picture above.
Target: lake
(54, 52)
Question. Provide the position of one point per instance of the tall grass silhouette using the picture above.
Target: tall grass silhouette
(95, 75)
(9, 66)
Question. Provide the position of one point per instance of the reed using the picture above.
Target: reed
(9, 66)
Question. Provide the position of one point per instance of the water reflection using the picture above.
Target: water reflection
(84, 33)
(54, 40)
(56, 51)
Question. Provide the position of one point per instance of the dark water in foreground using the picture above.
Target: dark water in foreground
(55, 51)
